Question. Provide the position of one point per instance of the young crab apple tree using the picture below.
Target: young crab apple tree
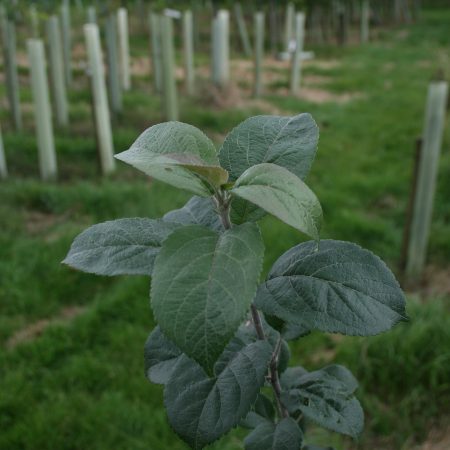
(221, 345)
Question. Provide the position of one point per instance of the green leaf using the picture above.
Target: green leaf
(264, 407)
(203, 284)
(246, 334)
(322, 396)
(285, 356)
(178, 154)
(344, 375)
(289, 379)
(282, 194)
(338, 288)
(202, 409)
(242, 211)
(289, 142)
(293, 377)
(285, 435)
(252, 420)
(261, 412)
(293, 331)
(117, 247)
(197, 211)
(160, 357)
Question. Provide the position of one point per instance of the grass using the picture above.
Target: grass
(80, 384)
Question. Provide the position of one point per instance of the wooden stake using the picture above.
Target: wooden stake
(12, 77)
(42, 110)
(115, 90)
(221, 49)
(155, 31)
(273, 28)
(410, 207)
(259, 51)
(426, 180)
(365, 19)
(3, 167)
(34, 21)
(169, 87)
(242, 27)
(188, 45)
(124, 50)
(100, 99)
(67, 40)
(289, 20)
(56, 66)
(91, 15)
(297, 56)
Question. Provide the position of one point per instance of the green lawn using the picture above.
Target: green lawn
(77, 381)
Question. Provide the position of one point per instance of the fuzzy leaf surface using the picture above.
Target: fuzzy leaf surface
(197, 211)
(262, 411)
(245, 334)
(178, 154)
(285, 435)
(203, 284)
(242, 211)
(282, 194)
(160, 357)
(337, 287)
(289, 142)
(325, 396)
(118, 247)
(202, 409)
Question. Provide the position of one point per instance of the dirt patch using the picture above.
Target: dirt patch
(35, 329)
(275, 80)
(213, 96)
(319, 96)
(233, 96)
(424, 63)
(438, 439)
(403, 34)
(325, 64)
(37, 222)
(315, 80)
(141, 66)
(79, 51)
(437, 282)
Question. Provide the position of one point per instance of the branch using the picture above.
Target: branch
(273, 367)
(223, 208)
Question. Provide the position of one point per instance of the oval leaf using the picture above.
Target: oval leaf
(244, 335)
(338, 287)
(160, 357)
(203, 284)
(202, 409)
(178, 154)
(197, 211)
(326, 399)
(289, 142)
(243, 211)
(117, 247)
(285, 435)
(282, 194)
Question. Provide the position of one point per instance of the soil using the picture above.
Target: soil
(34, 330)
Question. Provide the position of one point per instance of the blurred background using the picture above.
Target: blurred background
(374, 76)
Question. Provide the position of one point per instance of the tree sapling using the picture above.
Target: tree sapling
(220, 348)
